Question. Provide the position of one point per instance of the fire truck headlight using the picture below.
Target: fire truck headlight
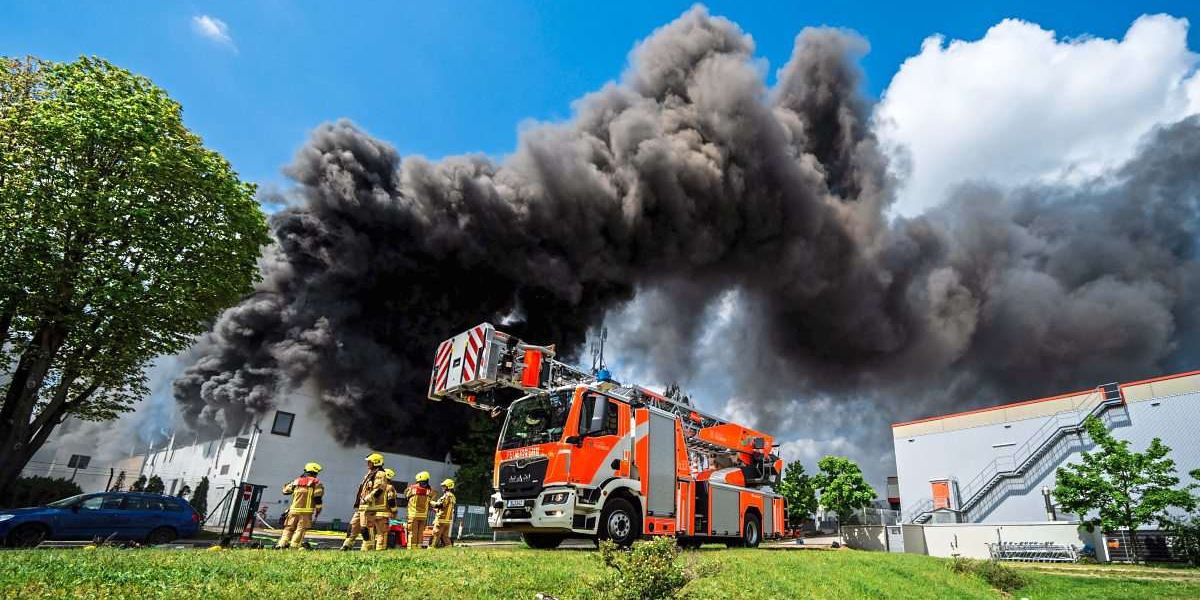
(556, 498)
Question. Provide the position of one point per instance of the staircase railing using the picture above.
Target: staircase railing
(1041, 441)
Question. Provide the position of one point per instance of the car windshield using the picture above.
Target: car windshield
(65, 502)
(536, 419)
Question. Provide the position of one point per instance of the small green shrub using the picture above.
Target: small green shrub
(995, 573)
(1186, 542)
(1001, 576)
(648, 570)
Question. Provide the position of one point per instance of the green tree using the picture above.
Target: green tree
(798, 493)
(475, 454)
(123, 238)
(842, 486)
(199, 499)
(155, 485)
(119, 483)
(139, 485)
(1122, 488)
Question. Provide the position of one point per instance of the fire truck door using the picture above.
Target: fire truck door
(600, 454)
(661, 482)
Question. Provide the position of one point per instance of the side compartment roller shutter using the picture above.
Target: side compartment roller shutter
(726, 513)
(661, 489)
(768, 515)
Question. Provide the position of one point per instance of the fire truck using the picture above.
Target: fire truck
(583, 456)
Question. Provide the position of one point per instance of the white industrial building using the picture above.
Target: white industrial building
(271, 452)
(997, 465)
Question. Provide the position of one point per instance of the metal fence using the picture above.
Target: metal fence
(1143, 545)
(1033, 552)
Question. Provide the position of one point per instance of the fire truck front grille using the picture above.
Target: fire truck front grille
(522, 478)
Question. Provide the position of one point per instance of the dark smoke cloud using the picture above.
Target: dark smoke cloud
(686, 182)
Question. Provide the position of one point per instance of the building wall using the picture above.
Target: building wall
(272, 460)
(960, 446)
(279, 459)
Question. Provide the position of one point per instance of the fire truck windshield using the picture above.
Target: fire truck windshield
(536, 420)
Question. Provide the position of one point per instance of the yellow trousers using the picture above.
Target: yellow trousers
(294, 529)
(416, 532)
(441, 536)
(358, 522)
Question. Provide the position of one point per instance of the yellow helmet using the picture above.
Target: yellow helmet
(390, 472)
(448, 484)
(313, 467)
(376, 459)
(422, 476)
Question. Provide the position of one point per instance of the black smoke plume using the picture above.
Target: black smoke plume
(688, 181)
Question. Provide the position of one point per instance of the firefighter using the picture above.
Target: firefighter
(418, 495)
(393, 506)
(445, 516)
(307, 494)
(369, 499)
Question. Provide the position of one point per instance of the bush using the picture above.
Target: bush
(155, 485)
(36, 491)
(995, 573)
(199, 499)
(648, 570)
(1186, 541)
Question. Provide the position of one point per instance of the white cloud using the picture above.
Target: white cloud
(1021, 105)
(213, 29)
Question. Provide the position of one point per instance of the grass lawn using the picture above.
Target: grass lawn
(519, 573)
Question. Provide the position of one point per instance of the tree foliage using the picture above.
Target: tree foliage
(36, 491)
(139, 485)
(155, 485)
(1122, 488)
(799, 493)
(123, 237)
(199, 499)
(475, 455)
(842, 487)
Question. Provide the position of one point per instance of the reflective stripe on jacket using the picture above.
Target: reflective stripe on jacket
(418, 500)
(372, 492)
(445, 507)
(307, 494)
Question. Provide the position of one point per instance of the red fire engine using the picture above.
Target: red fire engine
(582, 456)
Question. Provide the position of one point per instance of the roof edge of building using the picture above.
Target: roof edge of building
(1038, 400)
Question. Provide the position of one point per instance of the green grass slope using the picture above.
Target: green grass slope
(516, 573)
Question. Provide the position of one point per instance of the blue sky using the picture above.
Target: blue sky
(440, 78)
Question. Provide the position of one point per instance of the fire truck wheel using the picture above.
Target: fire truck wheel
(542, 541)
(751, 531)
(619, 522)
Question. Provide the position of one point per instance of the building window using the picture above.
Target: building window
(283, 423)
(224, 469)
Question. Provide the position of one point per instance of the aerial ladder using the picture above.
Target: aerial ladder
(476, 366)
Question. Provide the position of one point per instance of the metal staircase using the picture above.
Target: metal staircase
(1025, 456)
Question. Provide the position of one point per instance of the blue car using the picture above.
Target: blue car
(152, 518)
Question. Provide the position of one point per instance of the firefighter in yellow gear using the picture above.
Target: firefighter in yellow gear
(445, 506)
(418, 496)
(307, 494)
(392, 506)
(369, 500)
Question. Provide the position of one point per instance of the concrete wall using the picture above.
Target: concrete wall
(865, 537)
(914, 539)
(1165, 408)
(970, 540)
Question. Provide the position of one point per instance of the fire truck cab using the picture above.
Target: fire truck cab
(581, 456)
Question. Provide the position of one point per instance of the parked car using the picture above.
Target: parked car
(152, 518)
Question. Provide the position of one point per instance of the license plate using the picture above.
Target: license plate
(515, 504)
